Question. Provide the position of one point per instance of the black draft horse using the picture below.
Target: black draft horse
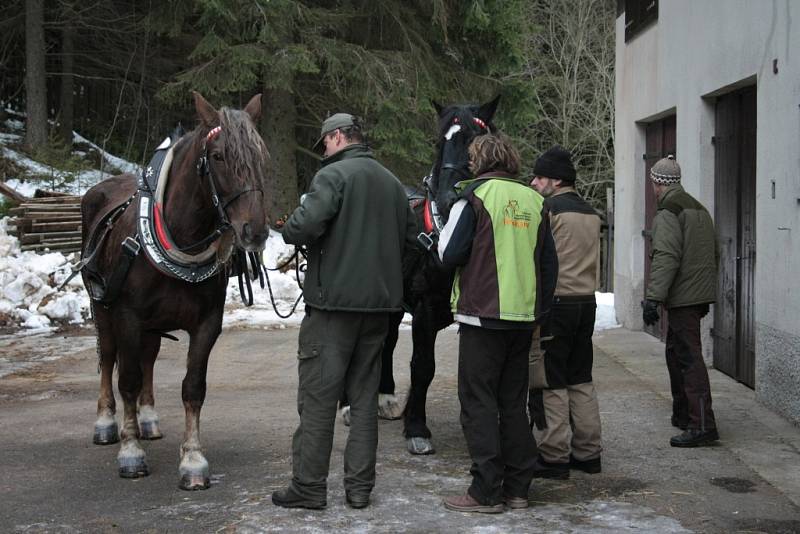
(428, 294)
(233, 159)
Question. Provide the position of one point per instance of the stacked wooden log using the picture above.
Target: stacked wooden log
(48, 223)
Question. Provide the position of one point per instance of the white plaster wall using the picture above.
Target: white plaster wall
(695, 51)
(697, 48)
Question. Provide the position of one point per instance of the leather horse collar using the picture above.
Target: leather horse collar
(153, 234)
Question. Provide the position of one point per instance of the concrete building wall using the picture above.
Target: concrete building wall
(694, 52)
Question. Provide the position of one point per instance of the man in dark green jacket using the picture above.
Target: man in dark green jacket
(356, 222)
(683, 279)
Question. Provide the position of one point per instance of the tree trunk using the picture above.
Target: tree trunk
(67, 102)
(35, 80)
(278, 118)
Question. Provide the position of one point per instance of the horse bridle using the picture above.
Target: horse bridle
(461, 168)
(204, 170)
(432, 215)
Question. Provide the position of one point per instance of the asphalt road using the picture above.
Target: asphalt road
(55, 480)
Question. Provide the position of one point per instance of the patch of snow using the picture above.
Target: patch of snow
(606, 316)
(14, 124)
(79, 181)
(28, 286)
(121, 164)
(23, 187)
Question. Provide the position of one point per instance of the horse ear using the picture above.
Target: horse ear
(205, 111)
(486, 111)
(253, 108)
(438, 107)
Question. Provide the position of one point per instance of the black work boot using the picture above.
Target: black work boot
(694, 437)
(680, 422)
(592, 466)
(545, 469)
(287, 498)
(356, 501)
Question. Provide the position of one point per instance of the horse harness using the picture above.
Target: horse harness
(152, 235)
(431, 217)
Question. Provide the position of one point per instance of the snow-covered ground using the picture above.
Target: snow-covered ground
(80, 181)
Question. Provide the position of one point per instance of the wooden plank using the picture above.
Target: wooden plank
(11, 193)
(50, 195)
(67, 246)
(41, 237)
(51, 218)
(49, 207)
(70, 226)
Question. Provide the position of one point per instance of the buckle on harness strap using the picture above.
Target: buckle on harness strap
(426, 240)
(131, 247)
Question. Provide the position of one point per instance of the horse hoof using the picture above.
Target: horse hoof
(420, 446)
(149, 430)
(133, 468)
(389, 407)
(106, 434)
(194, 481)
(346, 415)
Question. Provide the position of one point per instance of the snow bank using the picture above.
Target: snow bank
(81, 181)
(28, 281)
(606, 317)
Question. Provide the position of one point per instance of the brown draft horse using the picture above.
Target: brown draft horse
(149, 303)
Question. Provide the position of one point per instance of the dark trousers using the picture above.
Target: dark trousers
(338, 352)
(492, 389)
(569, 354)
(688, 376)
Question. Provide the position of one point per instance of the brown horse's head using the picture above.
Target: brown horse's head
(237, 162)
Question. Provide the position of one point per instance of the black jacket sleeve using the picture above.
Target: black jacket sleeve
(548, 267)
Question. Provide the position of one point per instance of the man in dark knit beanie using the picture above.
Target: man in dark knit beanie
(555, 164)
(562, 391)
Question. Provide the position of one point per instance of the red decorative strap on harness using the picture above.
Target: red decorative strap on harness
(161, 233)
(427, 217)
(476, 120)
(213, 133)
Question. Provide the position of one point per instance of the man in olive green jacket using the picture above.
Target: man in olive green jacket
(683, 279)
(356, 222)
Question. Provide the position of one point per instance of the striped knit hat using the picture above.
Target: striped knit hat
(666, 171)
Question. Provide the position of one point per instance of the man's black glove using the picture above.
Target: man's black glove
(650, 312)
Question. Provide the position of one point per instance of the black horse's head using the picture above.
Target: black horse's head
(458, 126)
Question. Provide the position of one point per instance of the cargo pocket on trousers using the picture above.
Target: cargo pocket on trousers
(309, 364)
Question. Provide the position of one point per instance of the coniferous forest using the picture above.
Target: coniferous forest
(120, 73)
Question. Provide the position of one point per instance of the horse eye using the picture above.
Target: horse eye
(217, 156)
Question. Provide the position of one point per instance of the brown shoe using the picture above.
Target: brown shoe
(516, 503)
(465, 503)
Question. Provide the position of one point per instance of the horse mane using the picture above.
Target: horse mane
(244, 149)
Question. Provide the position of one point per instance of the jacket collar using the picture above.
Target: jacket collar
(356, 150)
(491, 175)
(668, 192)
(564, 190)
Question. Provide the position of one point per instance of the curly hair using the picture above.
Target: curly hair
(493, 152)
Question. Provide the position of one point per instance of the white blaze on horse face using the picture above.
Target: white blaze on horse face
(454, 129)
